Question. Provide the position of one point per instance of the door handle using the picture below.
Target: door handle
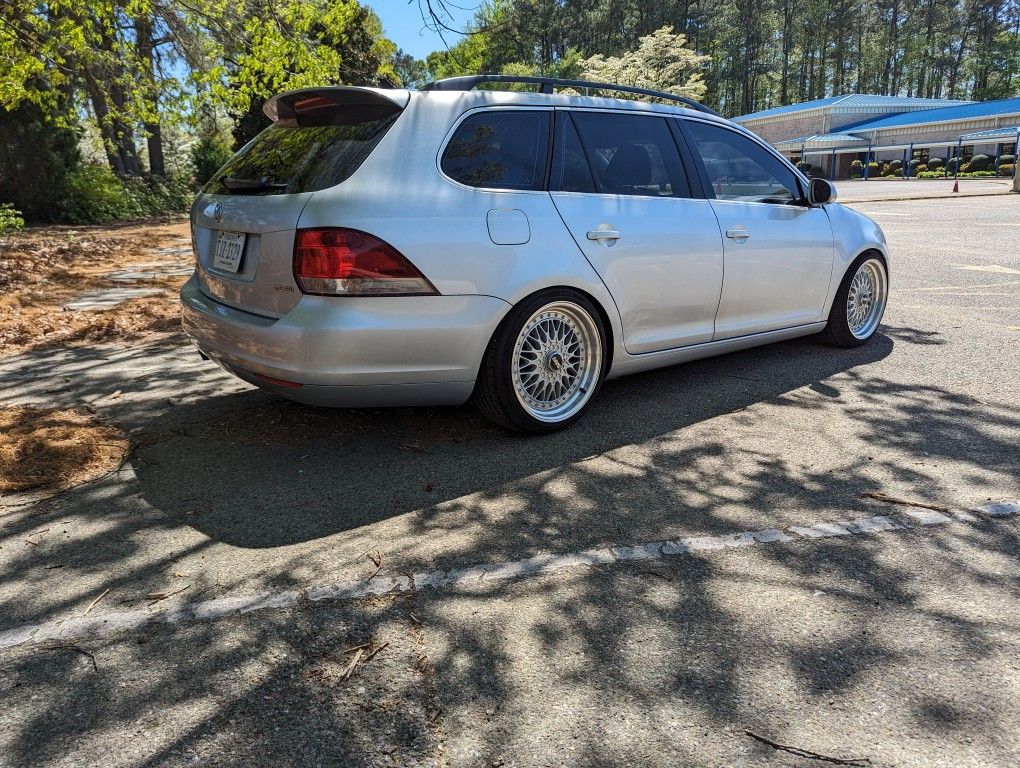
(603, 234)
(738, 234)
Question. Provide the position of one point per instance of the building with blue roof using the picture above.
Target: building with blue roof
(831, 133)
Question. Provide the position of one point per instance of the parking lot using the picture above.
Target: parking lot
(794, 544)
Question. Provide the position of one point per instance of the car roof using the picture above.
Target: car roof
(484, 98)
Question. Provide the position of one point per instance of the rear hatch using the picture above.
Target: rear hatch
(245, 218)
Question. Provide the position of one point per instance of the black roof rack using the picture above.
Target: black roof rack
(470, 82)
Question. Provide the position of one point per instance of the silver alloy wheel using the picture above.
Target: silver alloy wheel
(865, 302)
(557, 360)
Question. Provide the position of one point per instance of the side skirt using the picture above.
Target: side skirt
(624, 364)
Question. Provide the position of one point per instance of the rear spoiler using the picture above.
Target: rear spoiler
(334, 105)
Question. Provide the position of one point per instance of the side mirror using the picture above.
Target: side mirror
(820, 192)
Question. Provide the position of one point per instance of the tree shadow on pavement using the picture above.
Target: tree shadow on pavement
(660, 665)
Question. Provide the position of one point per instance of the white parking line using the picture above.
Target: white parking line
(103, 625)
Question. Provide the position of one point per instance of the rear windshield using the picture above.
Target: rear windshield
(287, 160)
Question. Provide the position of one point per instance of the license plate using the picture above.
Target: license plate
(229, 247)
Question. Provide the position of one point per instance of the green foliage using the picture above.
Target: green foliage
(1007, 159)
(35, 158)
(936, 163)
(874, 169)
(662, 61)
(208, 155)
(979, 163)
(952, 164)
(94, 195)
(10, 218)
(856, 167)
(409, 71)
(1006, 169)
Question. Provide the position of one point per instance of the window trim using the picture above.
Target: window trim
(709, 191)
(544, 190)
(694, 183)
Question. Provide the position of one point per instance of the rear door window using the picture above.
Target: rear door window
(500, 149)
(632, 154)
(287, 159)
(570, 171)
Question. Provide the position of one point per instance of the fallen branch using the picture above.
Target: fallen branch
(859, 761)
(93, 603)
(374, 651)
(76, 649)
(377, 561)
(155, 597)
(346, 674)
(358, 647)
(360, 657)
(886, 498)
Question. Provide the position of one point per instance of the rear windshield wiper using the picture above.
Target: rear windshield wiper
(235, 184)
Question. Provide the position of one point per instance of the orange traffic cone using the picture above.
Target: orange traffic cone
(956, 185)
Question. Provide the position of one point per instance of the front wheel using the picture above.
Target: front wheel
(859, 304)
(544, 363)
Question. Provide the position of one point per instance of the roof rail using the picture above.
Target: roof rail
(470, 82)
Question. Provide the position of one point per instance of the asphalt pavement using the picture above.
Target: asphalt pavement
(682, 572)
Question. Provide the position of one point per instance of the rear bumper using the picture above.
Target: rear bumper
(352, 351)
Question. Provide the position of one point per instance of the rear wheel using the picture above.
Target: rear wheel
(859, 304)
(544, 363)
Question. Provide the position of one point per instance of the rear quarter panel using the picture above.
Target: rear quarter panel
(400, 195)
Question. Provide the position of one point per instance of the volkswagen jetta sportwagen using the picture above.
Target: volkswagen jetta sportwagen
(393, 247)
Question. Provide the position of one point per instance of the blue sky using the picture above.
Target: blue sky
(403, 23)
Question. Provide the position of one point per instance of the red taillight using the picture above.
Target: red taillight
(348, 262)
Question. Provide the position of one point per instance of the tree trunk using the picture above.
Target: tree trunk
(153, 131)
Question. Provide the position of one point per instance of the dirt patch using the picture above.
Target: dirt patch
(50, 449)
(42, 269)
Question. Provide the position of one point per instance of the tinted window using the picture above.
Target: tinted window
(500, 149)
(303, 159)
(631, 154)
(570, 171)
(739, 169)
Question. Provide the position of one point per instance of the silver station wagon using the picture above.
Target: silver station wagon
(380, 247)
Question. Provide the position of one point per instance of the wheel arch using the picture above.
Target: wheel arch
(604, 316)
(841, 270)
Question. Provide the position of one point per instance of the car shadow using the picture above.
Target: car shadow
(270, 473)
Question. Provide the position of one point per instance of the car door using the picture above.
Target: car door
(778, 249)
(623, 192)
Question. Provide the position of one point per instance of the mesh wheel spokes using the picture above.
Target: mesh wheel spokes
(866, 299)
(557, 359)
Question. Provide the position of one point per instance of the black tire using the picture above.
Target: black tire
(837, 330)
(495, 394)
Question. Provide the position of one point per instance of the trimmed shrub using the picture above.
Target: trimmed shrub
(936, 163)
(929, 175)
(980, 163)
(874, 169)
(804, 167)
(952, 164)
(1011, 159)
(10, 218)
(1006, 169)
(856, 169)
